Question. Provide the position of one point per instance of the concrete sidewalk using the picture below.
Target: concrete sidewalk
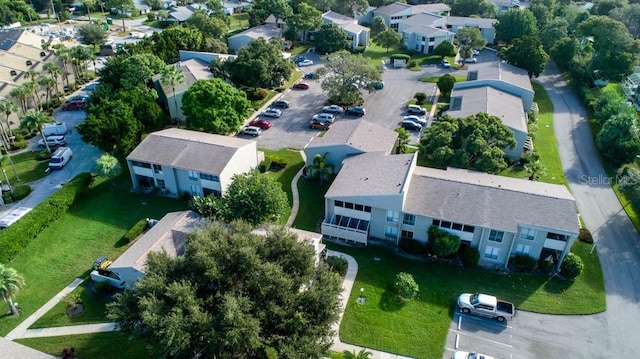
(294, 191)
(69, 330)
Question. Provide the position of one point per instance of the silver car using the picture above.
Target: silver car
(53, 141)
(272, 112)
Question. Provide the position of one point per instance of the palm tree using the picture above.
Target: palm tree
(320, 168)
(9, 107)
(10, 284)
(108, 166)
(535, 170)
(32, 89)
(172, 76)
(48, 84)
(63, 54)
(80, 55)
(54, 71)
(21, 94)
(34, 120)
(362, 354)
(31, 74)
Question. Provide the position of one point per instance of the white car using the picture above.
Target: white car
(332, 109)
(445, 63)
(416, 119)
(471, 60)
(475, 52)
(416, 110)
(459, 354)
(251, 130)
(324, 117)
(272, 112)
(306, 62)
(53, 141)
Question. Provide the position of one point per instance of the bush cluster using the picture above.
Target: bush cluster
(256, 94)
(585, 236)
(13, 239)
(442, 243)
(400, 57)
(135, 231)
(405, 285)
(523, 262)
(338, 265)
(272, 163)
(470, 257)
(264, 165)
(572, 266)
(20, 192)
(545, 266)
(411, 246)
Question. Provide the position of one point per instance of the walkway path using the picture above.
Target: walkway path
(294, 191)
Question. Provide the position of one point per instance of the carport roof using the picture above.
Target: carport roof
(359, 134)
(490, 201)
(190, 150)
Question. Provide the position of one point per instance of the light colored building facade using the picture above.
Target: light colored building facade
(357, 35)
(388, 197)
(393, 14)
(176, 161)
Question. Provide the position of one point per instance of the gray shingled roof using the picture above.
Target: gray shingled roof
(391, 9)
(490, 201)
(500, 70)
(190, 150)
(360, 134)
(337, 18)
(427, 30)
(193, 70)
(424, 19)
(260, 31)
(471, 21)
(169, 235)
(505, 106)
(433, 8)
(371, 174)
(10, 349)
(181, 13)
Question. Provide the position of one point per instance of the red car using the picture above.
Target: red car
(262, 123)
(74, 104)
(320, 125)
(301, 86)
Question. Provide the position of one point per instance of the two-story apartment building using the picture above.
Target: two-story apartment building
(357, 35)
(388, 197)
(396, 12)
(176, 161)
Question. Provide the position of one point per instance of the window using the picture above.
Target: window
(557, 237)
(367, 209)
(469, 229)
(436, 222)
(140, 164)
(523, 249)
(208, 177)
(445, 224)
(409, 219)
(432, 39)
(406, 235)
(348, 205)
(392, 216)
(491, 252)
(208, 192)
(193, 175)
(160, 183)
(496, 236)
(338, 203)
(456, 226)
(195, 190)
(423, 38)
(528, 234)
(390, 232)
(157, 168)
(358, 207)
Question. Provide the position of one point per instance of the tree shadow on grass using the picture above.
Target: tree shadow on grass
(557, 285)
(391, 302)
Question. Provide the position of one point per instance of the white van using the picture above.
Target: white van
(60, 158)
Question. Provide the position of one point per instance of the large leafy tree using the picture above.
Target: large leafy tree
(564, 50)
(445, 48)
(331, 38)
(377, 26)
(469, 38)
(131, 71)
(112, 127)
(280, 9)
(234, 294)
(344, 74)
(553, 32)
(254, 198)
(527, 53)
(91, 34)
(618, 139)
(481, 8)
(260, 64)
(445, 84)
(630, 17)
(305, 18)
(214, 106)
(209, 26)
(35, 120)
(389, 38)
(615, 51)
(180, 38)
(10, 284)
(350, 7)
(14, 11)
(124, 6)
(475, 142)
(514, 24)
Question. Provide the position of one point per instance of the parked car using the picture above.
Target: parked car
(301, 86)
(299, 58)
(416, 110)
(332, 109)
(74, 105)
(272, 112)
(53, 141)
(324, 117)
(60, 158)
(355, 111)
(416, 119)
(306, 62)
(310, 76)
(411, 126)
(281, 104)
(445, 63)
(475, 52)
(459, 354)
(471, 60)
(486, 306)
(320, 125)
(79, 97)
(251, 130)
(261, 123)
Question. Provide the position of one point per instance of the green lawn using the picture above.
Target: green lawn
(390, 325)
(377, 54)
(239, 21)
(114, 345)
(67, 248)
(28, 168)
(311, 210)
(284, 177)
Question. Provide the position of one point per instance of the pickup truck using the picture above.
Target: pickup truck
(486, 305)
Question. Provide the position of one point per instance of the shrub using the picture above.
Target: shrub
(420, 97)
(72, 299)
(6, 197)
(412, 63)
(265, 164)
(135, 231)
(585, 236)
(442, 243)
(411, 246)
(572, 266)
(523, 262)
(13, 239)
(470, 257)
(277, 163)
(400, 57)
(208, 206)
(545, 266)
(360, 49)
(21, 192)
(19, 144)
(405, 285)
(338, 265)
(256, 94)
(43, 156)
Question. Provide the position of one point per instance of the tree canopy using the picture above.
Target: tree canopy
(14, 11)
(130, 71)
(234, 294)
(214, 106)
(344, 74)
(259, 64)
(331, 38)
(481, 8)
(377, 26)
(445, 84)
(254, 198)
(514, 24)
(527, 53)
(475, 142)
(388, 38)
(91, 34)
(618, 139)
(445, 48)
(209, 26)
(469, 38)
(112, 126)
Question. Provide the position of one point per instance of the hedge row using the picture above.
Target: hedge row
(15, 238)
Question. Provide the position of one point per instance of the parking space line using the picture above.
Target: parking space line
(485, 339)
(460, 315)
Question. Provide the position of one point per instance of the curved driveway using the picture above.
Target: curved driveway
(612, 334)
